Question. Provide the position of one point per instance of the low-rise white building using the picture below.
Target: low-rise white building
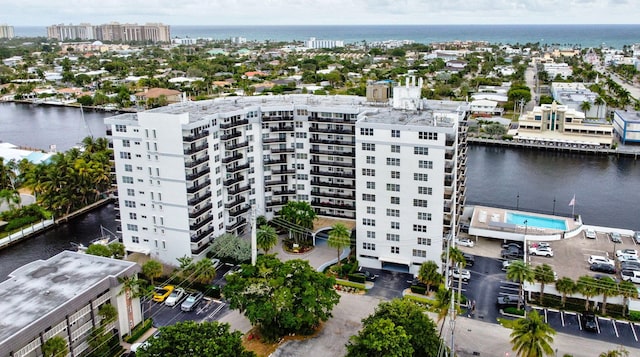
(573, 95)
(555, 69)
(626, 126)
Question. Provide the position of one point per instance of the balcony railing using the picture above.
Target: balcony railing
(194, 214)
(239, 211)
(275, 182)
(234, 123)
(235, 191)
(332, 163)
(321, 212)
(274, 162)
(233, 180)
(204, 222)
(275, 129)
(234, 203)
(333, 174)
(333, 195)
(239, 222)
(332, 142)
(332, 184)
(196, 188)
(276, 118)
(274, 140)
(232, 169)
(281, 150)
(193, 163)
(194, 137)
(198, 174)
(237, 146)
(277, 202)
(232, 158)
(345, 206)
(284, 192)
(332, 131)
(196, 200)
(330, 152)
(331, 120)
(283, 172)
(195, 149)
(230, 135)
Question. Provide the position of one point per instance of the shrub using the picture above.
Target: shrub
(138, 331)
(424, 301)
(513, 311)
(418, 289)
(634, 315)
(351, 284)
(358, 278)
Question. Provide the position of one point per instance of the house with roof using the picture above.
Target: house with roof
(171, 95)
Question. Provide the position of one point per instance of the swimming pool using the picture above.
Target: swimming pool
(536, 221)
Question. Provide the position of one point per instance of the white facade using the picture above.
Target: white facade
(555, 69)
(190, 172)
(315, 43)
(6, 31)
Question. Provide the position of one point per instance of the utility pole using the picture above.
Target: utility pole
(254, 237)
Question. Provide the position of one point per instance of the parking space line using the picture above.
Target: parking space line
(615, 328)
(562, 317)
(580, 322)
(546, 319)
(633, 330)
(598, 324)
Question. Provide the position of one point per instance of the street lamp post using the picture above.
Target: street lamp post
(518, 201)
(554, 205)
(524, 238)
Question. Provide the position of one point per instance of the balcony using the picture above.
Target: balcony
(276, 129)
(332, 120)
(109, 132)
(196, 200)
(200, 249)
(333, 195)
(274, 162)
(232, 204)
(193, 163)
(204, 222)
(233, 180)
(351, 153)
(194, 213)
(282, 150)
(275, 182)
(234, 123)
(449, 143)
(235, 191)
(194, 149)
(274, 140)
(332, 131)
(193, 176)
(332, 142)
(283, 172)
(276, 118)
(232, 169)
(277, 202)
(239, 211)
(196, 188)
(316, 182)
(234, 157)
(321, 212)
(332, 163)
(318, 203)
(194, 137)
(237, 146)
(284, 192)
(235, 134)
(239, 222)
(333, 174)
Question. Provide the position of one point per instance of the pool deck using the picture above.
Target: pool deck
(491, 222)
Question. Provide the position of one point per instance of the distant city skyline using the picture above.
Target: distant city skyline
(321, 12)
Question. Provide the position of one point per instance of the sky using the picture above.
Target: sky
(319, 12)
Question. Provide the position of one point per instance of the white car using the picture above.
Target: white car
(465, 242)
(628, 258)
(216, 262)
(544, 251)
(461, 273)
(174, 297)
(507, 263)
(590, 233)
(600, 259)
(627, 251)
(540, 245)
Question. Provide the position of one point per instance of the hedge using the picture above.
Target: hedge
(139, 330)
(513, 311)
(352, 284)
(634, 315)
(418, 289)
(420, 299)
(358, 278)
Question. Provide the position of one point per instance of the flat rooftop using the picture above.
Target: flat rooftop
(37, 289)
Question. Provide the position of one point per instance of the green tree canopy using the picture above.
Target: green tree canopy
(544, 275)
(299, 217)
(565, 286)
(281, 297)
(55, 346)
(191, 338)
(532, 337)
(99, 250)
(266, 238)
(381, 338)
(152, 269)
(231, 247)
(339, 238)
(520, 272)
(429, 274)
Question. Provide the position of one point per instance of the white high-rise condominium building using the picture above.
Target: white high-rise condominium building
(190, 172)
(6, 31)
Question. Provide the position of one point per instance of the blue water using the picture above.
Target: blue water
(536, 221)
(614, 36)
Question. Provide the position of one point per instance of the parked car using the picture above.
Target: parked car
(216, 262)
(626, 251)
(628, 258)
(507, 300)
(368, 275)
(174, 297)
(615, 237)
(461, 273)
(603, 268)
(191, 301)
(602, 276)
(636, 237)
(590, 233)
(630, 275)
(469, 259)
(234, 269)
(507, 263)
(544, 251)
(512, 245)
(589, 321)
(464, 227)
(600, 259)
(465, 242)
(540, 245)
(161, 293)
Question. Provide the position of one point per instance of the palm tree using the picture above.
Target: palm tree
(544, 275)
(599, 102)
(429, 274)
(565, 286)
(55, 346)
(266, 237)
(339, 238)
(152, 269)
(532, 337)
(204, 271)
(457, 259)
(132, 284)
(620, 352)
(299, 216)
(627, 290)
(586, 285)
(607, 287)
(520, 272)
(585, 107)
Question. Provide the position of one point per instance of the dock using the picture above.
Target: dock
(577, 149)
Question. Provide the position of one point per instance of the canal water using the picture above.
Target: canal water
(606, 188)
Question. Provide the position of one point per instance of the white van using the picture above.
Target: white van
(630, 275)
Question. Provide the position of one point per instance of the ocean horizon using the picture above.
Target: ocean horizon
(614, 35)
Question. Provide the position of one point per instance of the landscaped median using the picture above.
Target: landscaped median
(350, 286)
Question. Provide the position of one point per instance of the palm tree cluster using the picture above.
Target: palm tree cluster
(72, 179)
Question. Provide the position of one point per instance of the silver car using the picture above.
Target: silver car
(191, 301)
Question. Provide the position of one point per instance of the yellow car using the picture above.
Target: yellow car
(161, 293)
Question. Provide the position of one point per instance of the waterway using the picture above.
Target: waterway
(606, 188)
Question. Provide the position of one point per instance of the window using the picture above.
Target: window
(132, 227)
(133, 215)
(369, 222)
(395, 133)
(371, 185)
(393, 212)
(395, 250)
(420, 177)
(395, 174)
(121, 128)
(131, 192)
(393, 187)
(425, 190)
(395, 225)
(424, 216)
(395, 200)
(369, 246)
(424, 135)
(419, 150)
(125, 155)
(126, 143)
(135, 239)
(371, 159)
(128, 168)
(368, 172)
(424, 241)
(393, 237)
(368, 147)
(371, 210)
(127, 179)
(130, 204)
(393, 161)
(419, 228)
(419, 253)
(366, 131)
(395, 148)
(299, 145)
(371, 234)
(420, 203)
(368, 197)
(424, 164)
